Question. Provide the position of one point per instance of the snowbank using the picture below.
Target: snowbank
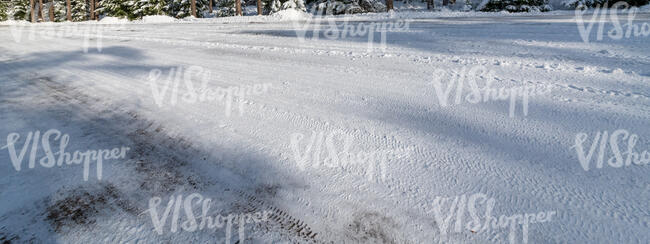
(291, 14)
(443, 13)
(14, 22)
(113, 20)
(158, 19)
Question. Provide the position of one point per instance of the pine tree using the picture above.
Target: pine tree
(59, 11)
(468, 5)
(142, 8)
(182, 8)
(601, 3)
(272, 6)
(294, 4)
(580, 3)
(79, 10)
(275, 6)
(20, 10)
(516, 6)
(114, 8)
(3, 11)
(226, 8)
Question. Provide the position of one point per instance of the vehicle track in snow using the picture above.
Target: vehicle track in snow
(159, 163)
(526, 163)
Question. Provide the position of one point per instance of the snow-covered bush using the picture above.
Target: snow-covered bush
(601, 3)
(226, 8)
(59, 10)
(79, 10)
(464, 5)
(141, 8)
(114, 8)
(3, 11)
(294, 4)
(575, 3)
(271, 6)
(517, 6)
(467, 6)
(20, 10)
(183, 8)
(274, 6)
(333, 7)
(372, 6)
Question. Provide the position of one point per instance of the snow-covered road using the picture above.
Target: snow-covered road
(383, 107)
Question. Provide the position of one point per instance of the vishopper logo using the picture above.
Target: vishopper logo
(335, 29)
(204, 93)
(87, 31)
(207, 221)
(482, 220)
(618, 31)
(369, 163)
(477, 94)
(49, 160)
(600, 142)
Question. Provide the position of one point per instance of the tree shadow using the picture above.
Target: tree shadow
(159, 163)
(520, 36)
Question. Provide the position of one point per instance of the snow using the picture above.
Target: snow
(645, 8)
(243, 155)
(291, 14)
(154, 19)
(14, 22)
(113, 20)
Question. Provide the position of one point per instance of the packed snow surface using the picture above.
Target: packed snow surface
(252, 152)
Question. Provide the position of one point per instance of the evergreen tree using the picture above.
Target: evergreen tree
(272, 6)
(3, 11)
(517, 6)
(275, 6)
(226, 8)
(183, 8)
(467, 6)
(79, 10)
(20, 10)
(333, 7)
(115, 8)
(142, 8)
(579, 3)
(601, 3)
(59, 11)
(294, 4)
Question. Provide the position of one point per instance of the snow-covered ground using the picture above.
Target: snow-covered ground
(252, 153)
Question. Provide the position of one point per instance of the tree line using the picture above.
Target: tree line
(82, 10)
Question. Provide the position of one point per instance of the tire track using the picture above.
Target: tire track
(175, 148)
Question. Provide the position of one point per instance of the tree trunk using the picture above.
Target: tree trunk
(32, 11)
(40, 10)
(389, 5)
(238, 7)
(51, 11)
(445, 2)
(259, 7)
(210, 6)
(194, 8)
(69, 10)
(92, 9)
(430, 4)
